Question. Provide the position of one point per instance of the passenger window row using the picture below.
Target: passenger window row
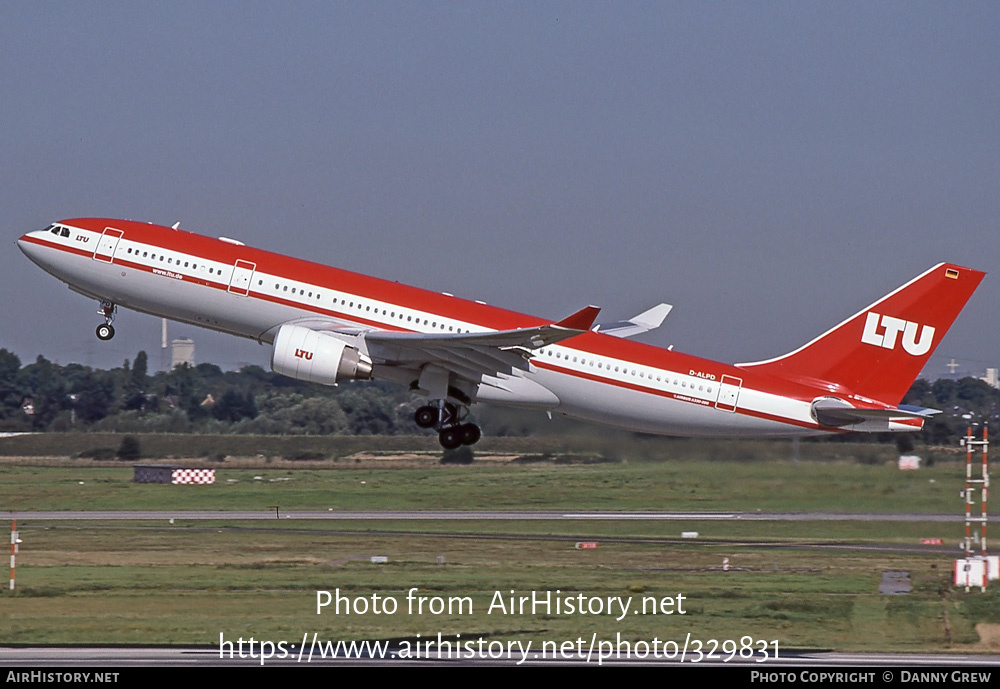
(367, 308)
(626, 371)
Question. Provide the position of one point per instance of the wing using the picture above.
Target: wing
(441, 360)
(474, 356)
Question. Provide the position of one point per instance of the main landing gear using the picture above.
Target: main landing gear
(106, 331)
(446, 420)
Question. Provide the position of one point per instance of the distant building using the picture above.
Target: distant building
(992, 377)
(181, 352)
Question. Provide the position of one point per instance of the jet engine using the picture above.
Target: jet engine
(306, 354)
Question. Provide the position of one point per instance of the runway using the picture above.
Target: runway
(469, 515)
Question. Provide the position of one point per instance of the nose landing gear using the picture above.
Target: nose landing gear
(446, 420)
(106, 331)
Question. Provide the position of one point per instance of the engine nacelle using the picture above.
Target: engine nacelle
(306, 354)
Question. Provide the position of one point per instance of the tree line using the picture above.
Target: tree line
(44, 396)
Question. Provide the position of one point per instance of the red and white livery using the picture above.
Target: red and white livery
(327, 325)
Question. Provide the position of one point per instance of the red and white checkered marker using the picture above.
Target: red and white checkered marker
(192, 476)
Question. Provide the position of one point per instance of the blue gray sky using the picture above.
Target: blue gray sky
(769, 168)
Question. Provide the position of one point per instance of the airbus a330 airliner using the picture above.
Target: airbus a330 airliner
(327, 325)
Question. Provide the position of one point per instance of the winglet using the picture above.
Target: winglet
(653, 318)
(649, 319)
(581, 320)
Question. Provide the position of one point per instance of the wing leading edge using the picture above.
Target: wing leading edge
(475, 356)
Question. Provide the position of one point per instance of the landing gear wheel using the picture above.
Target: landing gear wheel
(470, 433)
(450, 438)
(426, 417)
(108, 310)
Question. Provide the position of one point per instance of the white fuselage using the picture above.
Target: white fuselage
(224, 286)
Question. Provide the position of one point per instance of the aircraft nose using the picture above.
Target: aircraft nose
(28, 247)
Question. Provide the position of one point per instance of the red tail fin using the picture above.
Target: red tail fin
(880, 351)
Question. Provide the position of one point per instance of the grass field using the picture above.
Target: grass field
(804, 584)
(132, 584)
(425, 484)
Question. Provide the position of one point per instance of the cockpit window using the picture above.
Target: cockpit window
(53, 229)
(64, 232)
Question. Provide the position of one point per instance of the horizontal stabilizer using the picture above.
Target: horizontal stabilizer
(647, 320)
(833, 411)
